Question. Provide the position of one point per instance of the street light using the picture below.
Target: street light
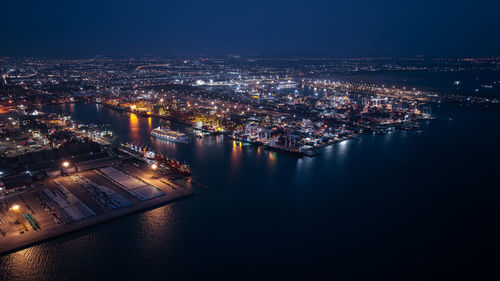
(15, 208)
(65, 164)
(154, 167)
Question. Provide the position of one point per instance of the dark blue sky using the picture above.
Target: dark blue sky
(190, 27)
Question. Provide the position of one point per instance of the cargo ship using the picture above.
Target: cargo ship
(246, 139)
(282, 149)
(170, 135)
(173, 165)
(142, 152)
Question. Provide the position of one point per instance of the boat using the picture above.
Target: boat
(173, 165)
(289, 151)
(131, 149)
(306, 147)
(247, 140)
(143, 153)
(170, 135)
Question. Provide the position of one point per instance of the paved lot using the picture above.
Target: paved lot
(53, 203)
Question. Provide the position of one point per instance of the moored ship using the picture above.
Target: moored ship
(247, 139)
(173, 165)
(290, 151)
(170, 135)
(142, 152)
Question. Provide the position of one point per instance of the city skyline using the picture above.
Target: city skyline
(249, 140)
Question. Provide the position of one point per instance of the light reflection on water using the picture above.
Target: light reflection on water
(150, 124)
(342, 149)
(236, 155)
(157, 226)
(134, 128)
(265, 208)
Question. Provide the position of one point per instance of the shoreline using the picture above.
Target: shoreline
(93, 221)
(18, 235)
(311, 152)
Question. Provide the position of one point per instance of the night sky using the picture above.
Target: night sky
(267, 28)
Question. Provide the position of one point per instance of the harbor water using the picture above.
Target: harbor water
(405, 205)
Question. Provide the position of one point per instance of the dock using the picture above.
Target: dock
(68, 203)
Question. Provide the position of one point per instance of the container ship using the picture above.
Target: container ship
(169, 135)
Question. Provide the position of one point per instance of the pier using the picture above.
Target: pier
(68, 203)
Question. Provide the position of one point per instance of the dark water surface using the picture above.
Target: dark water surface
(402, 205)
